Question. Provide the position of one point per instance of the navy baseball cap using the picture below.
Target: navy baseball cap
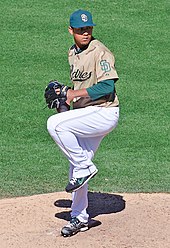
(81, 18)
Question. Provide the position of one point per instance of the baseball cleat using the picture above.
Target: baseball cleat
(76, 183)
(73, 227)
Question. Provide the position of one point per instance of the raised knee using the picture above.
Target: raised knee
(53, 124)
(49, 124)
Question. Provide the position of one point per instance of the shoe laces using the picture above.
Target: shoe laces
(73, 180)
(74, 221)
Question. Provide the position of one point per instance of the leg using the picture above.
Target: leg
(86, 142)
(79, 215)
(80, 197)
(67, 128)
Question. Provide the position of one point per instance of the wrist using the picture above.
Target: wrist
(80, 93)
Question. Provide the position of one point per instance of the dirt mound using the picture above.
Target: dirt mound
(118, 221)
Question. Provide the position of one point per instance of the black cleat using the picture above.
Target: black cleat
(73, 227)
(76, 183)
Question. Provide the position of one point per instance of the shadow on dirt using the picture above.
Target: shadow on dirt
(99, 203)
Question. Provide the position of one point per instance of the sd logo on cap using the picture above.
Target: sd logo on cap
(81, 18)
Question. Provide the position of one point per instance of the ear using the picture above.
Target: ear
(70, 30)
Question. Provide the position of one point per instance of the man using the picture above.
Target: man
(78, 132)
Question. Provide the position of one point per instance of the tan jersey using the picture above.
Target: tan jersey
(89, 67)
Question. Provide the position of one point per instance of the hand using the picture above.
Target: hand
(56, 94)
(70, 96)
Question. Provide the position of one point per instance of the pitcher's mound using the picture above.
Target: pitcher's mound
(117, 221)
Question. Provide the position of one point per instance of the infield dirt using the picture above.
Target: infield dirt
(119, 220)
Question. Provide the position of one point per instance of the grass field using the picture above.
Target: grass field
(34, 42)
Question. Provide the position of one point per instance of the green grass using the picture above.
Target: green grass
(34, 43)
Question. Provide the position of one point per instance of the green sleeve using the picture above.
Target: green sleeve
(100, 89)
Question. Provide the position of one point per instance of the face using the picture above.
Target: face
(82, 36)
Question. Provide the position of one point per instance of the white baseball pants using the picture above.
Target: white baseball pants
(78, 133)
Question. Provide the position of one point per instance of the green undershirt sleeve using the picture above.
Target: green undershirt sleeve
(100, 89)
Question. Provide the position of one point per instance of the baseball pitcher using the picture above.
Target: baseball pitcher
(95, 113)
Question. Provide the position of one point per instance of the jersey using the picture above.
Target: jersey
(94, 64)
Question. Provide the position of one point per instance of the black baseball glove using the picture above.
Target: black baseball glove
(56, 95)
